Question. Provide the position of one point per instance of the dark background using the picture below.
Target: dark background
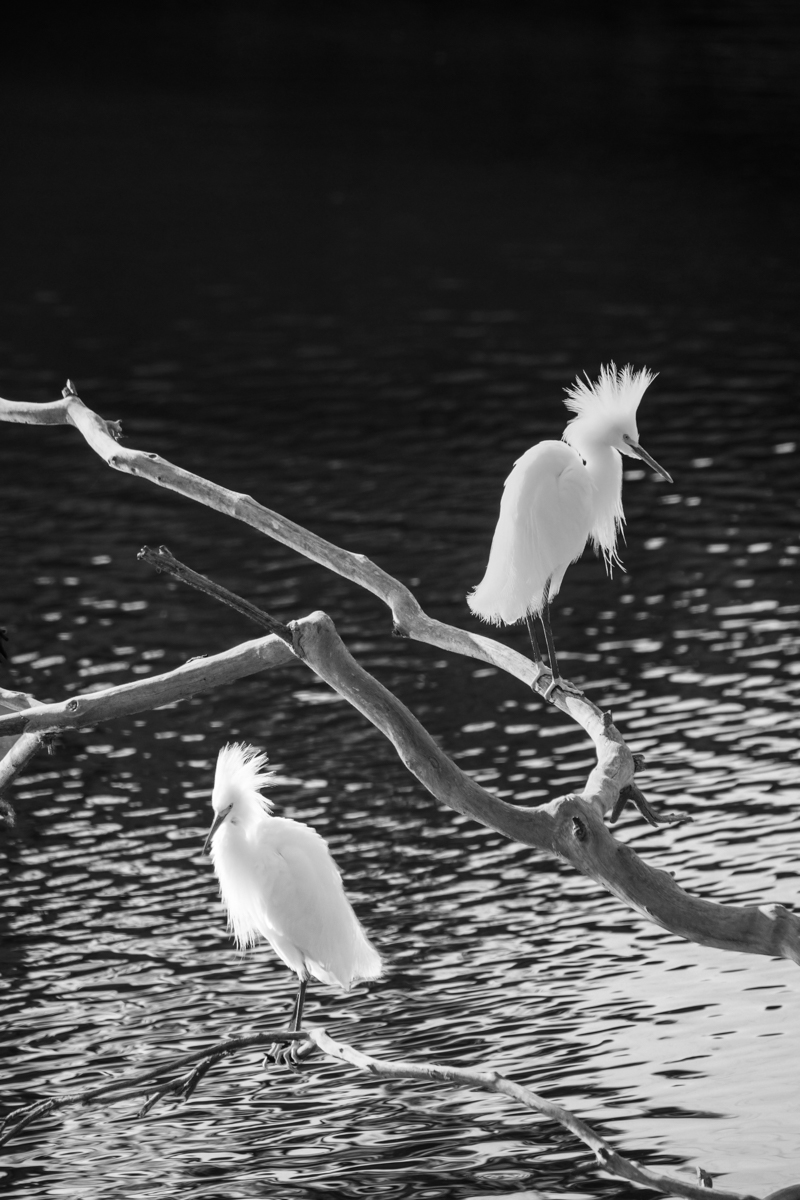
(169, 169)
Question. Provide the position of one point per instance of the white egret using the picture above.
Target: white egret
(559, 496)
(278, 881)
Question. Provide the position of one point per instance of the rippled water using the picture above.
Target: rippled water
(383, 411)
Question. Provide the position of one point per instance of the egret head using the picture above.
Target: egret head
(605, 413)
(241, 773)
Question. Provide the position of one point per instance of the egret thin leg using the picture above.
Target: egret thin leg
(557, 681)
(537, 654)
(297, 1014)
(548, 632)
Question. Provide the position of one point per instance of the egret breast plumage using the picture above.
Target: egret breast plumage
(558, 497)
(279, 882)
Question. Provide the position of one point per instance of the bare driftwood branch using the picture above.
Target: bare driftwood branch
(16, 751)
(613, 773)
(409, 618)
(561, 827)
(12, 702)
(19, 755)
(196, 675)
(179, 1077)
(570, 827)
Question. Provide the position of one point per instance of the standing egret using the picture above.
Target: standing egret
(278, 881)
(559, 496)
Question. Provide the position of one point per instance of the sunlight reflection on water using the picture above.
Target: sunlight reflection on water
(115, 949)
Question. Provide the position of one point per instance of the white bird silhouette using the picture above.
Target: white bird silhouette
(559, 496)
(278, 881)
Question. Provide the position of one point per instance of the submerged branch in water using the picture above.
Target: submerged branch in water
(179, 1077)
(169, 1078)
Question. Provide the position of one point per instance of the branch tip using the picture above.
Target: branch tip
(163, 560)
(148, 1104)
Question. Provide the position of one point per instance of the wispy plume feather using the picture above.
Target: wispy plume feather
(242, 770)
(615, 397)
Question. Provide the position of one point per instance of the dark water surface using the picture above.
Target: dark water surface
(362, 322)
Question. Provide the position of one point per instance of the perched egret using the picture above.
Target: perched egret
(559, 496)
(278, 881)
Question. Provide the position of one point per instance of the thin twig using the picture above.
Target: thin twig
(163, 560)
(633, 793)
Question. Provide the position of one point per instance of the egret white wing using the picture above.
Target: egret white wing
(545, 517)
(306, 915)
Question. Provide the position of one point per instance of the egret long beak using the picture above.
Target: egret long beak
(218, 819)
(641, 453)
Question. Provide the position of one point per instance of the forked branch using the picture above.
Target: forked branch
(614, 772)
(570, 827)
(409, 618)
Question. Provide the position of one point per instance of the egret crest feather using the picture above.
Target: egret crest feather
(242, 771)
(613, 400)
